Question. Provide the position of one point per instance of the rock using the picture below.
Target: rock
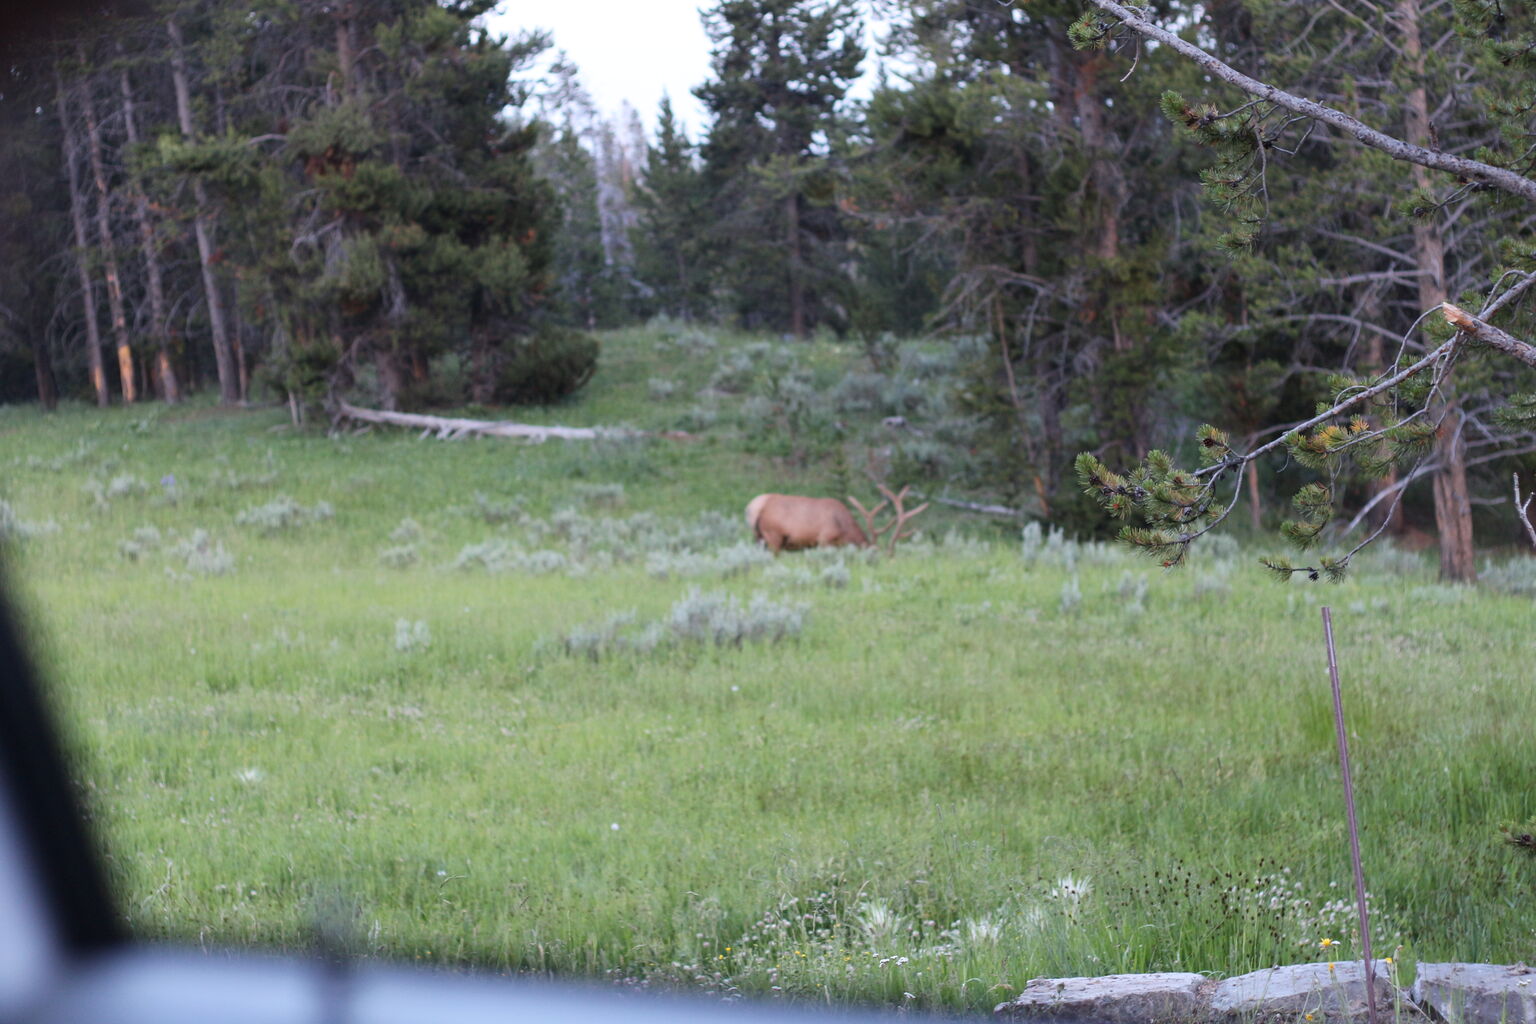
(1477, 993)
(1113, 999)
(1326, 990)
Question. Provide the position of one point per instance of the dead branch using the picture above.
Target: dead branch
(1523, 510)
(976, 506)
(1470, 170)
(1489, 335)
(446, 428)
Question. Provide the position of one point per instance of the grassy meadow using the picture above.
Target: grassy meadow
(545, 709)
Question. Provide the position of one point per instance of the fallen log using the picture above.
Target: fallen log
(451, 429)
(972, 506)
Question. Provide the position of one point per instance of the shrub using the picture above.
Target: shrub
(125, 485)
(412, 636)
(733, 375)
(699, 619)
(144, 539)
(401, 557)
(408, 531)
(203, 555)
(859, 393)
(499, 511)
(283, 513)
(719, 618)
(599, 495)
(1517, 576)
(1071, 596)
(493, 555)
(547, 366)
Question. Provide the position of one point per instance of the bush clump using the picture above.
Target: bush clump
(283, 513)
(698, 619)
(547, 366)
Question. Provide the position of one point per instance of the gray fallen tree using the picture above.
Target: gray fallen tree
(451, 428)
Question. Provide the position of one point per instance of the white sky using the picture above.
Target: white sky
(631, 50)
(625, 49)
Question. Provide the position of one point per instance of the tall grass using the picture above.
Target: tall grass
(948, 778)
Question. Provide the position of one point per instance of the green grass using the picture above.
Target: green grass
(887, 803)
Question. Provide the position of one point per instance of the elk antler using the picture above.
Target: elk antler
(899, 517)
(869, 517)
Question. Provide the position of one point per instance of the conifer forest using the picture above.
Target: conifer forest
(1174, 321)
(291, 202)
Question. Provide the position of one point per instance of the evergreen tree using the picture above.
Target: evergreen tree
(781, 69)
(1010, 151)
(1384, 416)
(672, 207)
(578, 154)
(34, 230)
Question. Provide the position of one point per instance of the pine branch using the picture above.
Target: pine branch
(1469, 170)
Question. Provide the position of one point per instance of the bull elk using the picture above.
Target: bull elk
(789, 522)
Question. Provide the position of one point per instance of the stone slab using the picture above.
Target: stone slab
(1477, 993)
(1112, 999)
(1323, 989)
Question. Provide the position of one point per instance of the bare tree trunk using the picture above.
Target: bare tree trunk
(77, 216)
(1104, 169)
(345, 51)
(1255, 509)
(202, 227)
(796, 280)
(386, 355)
(125, 367)
(237, 349)
(165, 372)
(1029, 250)
(1453, 506)
(482, 379)
(42, 364)
(391, 378)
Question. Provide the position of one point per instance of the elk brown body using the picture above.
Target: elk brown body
(789, 522)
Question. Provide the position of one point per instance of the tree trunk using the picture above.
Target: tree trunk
(1453, 507)
(1453, 503)
(77, 216)
(482, 378)
(796, 281)
(42, 364)
(345, 51)
(127, 378)
(391, 377)
(165, 372)
(1029, 249)
(1255, 509)
(1104, 168)
(202, 227)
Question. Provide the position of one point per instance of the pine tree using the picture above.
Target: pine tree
(781, 68)
(34, 229)
(1012, 152)
(1292, 178)
(672, 206)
